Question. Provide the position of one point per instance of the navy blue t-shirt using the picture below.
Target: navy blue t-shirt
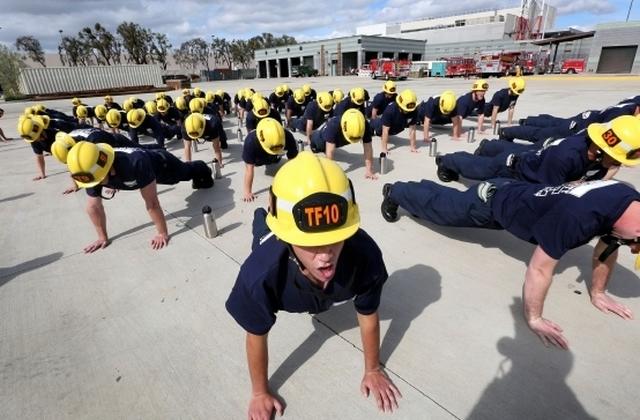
(270, 281)
(563, 217)
(588, 117)
(252, 121)
(380, 102)
(317, 115)
(254, 154)
(396, 120)
(297, 110)
(431, 109)
(503, 99)
(95, 135)
(171, 117)
(345, 104)
(41, 146)
(332, 133)
(212, 129)
(631, 99)
(465, 106)
(560, 161)
(134, 169)
(276, 100)
(150, 124)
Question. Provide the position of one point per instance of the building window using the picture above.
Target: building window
(300, 47)
(287, 49)
(359, 40)
(460, 22)
(276, 51)
(265, 53)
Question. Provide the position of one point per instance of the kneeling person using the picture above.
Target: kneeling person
(96, 166)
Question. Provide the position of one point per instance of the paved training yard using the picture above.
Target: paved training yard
(129, 332)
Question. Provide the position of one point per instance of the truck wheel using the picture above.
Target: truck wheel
(373, 76)
(571, 71)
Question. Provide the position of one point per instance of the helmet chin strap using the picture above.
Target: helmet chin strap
(613, 244)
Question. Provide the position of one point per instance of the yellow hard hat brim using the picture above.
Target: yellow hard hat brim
(595, 132)
(299, 238)
(110, 158)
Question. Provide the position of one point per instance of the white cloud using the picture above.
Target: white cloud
(595, 7)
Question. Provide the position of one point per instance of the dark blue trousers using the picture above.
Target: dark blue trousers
(478, 167)
(535, 134)
(259, 227)
(544, 120)
(443, 205)
(496, 147)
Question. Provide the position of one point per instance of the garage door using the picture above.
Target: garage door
(617, 59)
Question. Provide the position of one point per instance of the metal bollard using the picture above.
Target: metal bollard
(471, 135)
(496, 129)
(239, 133)
(210, 227)
(217, 170)
(433, 147)
(383, 163)
(194, 145)
(300, 144)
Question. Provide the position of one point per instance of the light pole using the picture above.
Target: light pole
(629, 12)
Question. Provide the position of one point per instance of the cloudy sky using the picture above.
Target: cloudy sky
(305, 20)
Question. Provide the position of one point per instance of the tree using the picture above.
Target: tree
(136, 41)
(160, 47)
(241, 53)
(222, 51)
(184, 56)
(74, 52)
(104, 46)
(32, 48)
(202, 52)
(10, 65)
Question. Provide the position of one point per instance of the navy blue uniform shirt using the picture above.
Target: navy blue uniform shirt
(212, 128)
(503, 99)
(560, 218)
(560, 161)
(380, 102)
(582, 121)
(313, 112)
(396, 120)
(171, 117)
(431, 109)
(332, 133)
(465, 106)
(134, 169)
(252, 121)
(345, 104)
(150, 123)
(254, 154)
(297, 110)
(41, 146)
(270, 281)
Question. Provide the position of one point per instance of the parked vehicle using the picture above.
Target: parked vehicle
(533, 62)
(573, 65)
(303, 71)
(460, 66)
(496, 63)
(388, 68)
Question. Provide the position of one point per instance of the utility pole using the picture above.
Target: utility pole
(629, 12)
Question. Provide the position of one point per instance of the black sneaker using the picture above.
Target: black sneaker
(521, 121)
(478, 151)
(388, 208)
(444, 174)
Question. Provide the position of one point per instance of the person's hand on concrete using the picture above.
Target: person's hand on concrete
(261, 407)
(370, 175)
(71, 190)
(39, 177)
(94, 246)
(248, 197)
(386, 394)
(549, 332)
(607, 305)
(159, 241)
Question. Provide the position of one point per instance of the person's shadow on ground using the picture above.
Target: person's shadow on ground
(9, 273)
(530, 383)
(405, 296)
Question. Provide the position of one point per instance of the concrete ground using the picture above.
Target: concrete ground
(129, 332)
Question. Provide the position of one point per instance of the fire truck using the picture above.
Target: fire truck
(388, 68)
(496, 63)
(533, 62)
(460, 66)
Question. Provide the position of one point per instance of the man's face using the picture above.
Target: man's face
(608, 161)
(479, 94)
(319, 262)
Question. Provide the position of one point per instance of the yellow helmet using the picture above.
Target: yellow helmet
(89, 163)
(181, 103)
(389, 87)
(108, 99)
(516, 85)
(60, 148)
(76, 102)
(298, 96)
(30, 129)
(255, 96)
(82, 111)
(151, 108)
(136, 117)
(357, 95)
(270, 135)
(197, 92)
(447, 102)
(338, 96)
(43, 119)
(248, 93)
(285, 87)
(113, 118)
(160, 95)
(619, 138)
(28, 111)
(279, 91)
(127, 105)
(186, 92)
(352, 123)
(196, 105)
(194, 124)
(260, 108)
(406, 100)
(39, 108)
(100, 111)
(306, 89)
(325, 101)
(132, 99)
(480, 84)
(210, 96)
(162, 105)
(312, 202)
(220, 93)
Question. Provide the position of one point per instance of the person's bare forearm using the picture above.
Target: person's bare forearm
(384, 139)
(426, 125)
(368, 156)
(248, 178)
(40, 165)
(601, 271)
(457, 127)
(150, 196)
(258, 362)
(494, 117)
(370, 335)
(329, 149)
(510, 115)
(309, 130)
(412, 137)
(536, 284)
(95, 210)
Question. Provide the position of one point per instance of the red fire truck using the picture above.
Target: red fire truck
(460, 66)
(573, 65)
(388, 68)
(496, 63)
(533, 62)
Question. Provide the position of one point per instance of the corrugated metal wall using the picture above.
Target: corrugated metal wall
(614, 35)
(39, 81)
